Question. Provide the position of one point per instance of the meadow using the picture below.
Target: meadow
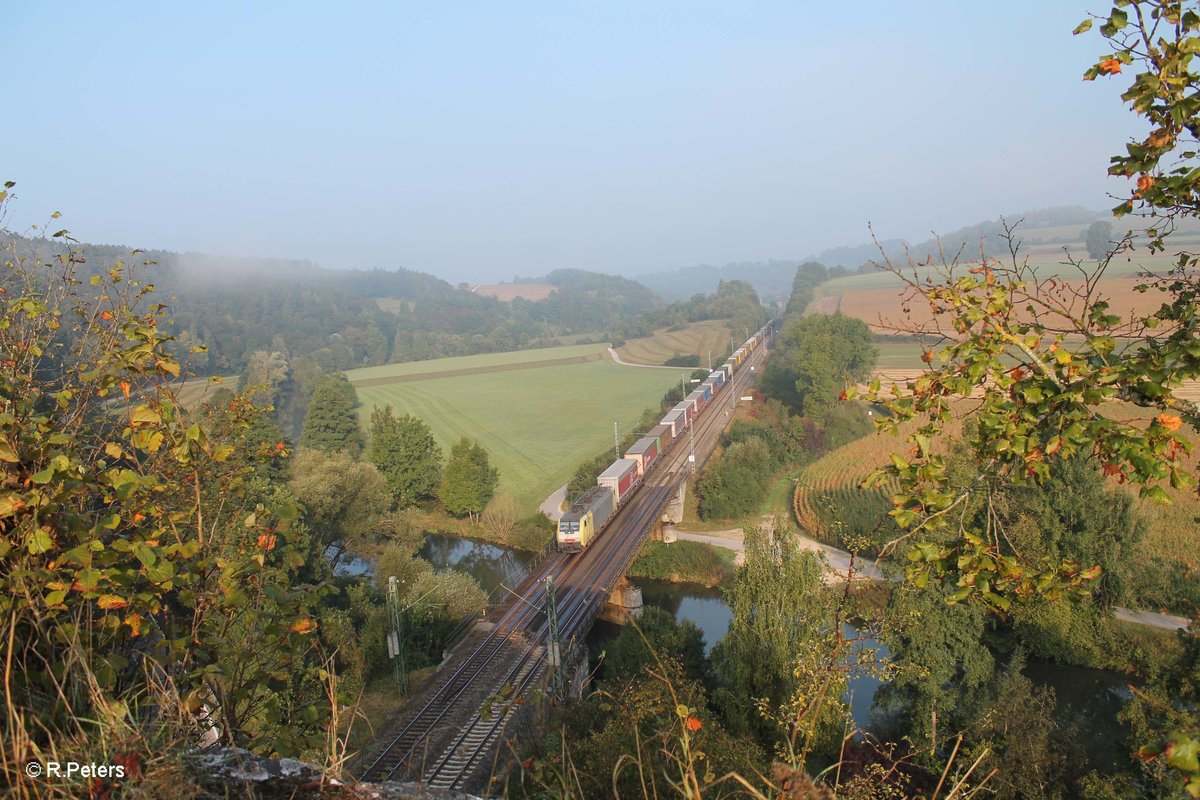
(538, 421)
(696, 338)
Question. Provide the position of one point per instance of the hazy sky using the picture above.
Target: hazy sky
(482, 140)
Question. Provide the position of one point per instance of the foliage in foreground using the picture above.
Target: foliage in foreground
(140, 551)
(1040, 355)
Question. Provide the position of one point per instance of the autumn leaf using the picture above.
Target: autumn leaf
(1110, 66)
(1169, 421)
(105, 315)
(266, 542)
(694, 724)
(125, 385)
(111, 602)
(304, 626)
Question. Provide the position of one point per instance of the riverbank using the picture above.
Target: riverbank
(685, 562)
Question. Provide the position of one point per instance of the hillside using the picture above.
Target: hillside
(343, 319)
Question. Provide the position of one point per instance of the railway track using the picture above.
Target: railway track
(510, 658)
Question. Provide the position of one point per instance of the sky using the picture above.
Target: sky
(478, 141)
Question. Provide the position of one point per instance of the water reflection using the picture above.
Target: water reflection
(488, 564)
(1088, 700)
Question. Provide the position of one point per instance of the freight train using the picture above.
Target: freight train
(587, 516)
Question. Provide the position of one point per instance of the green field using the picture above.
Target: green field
(536, 422)
(899, 355)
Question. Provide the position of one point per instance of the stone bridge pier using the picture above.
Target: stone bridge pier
(624, 603)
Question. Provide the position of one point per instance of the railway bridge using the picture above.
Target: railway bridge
(449, 735)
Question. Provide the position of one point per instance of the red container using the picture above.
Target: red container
(621, 476)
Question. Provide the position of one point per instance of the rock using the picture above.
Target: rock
(236, 773)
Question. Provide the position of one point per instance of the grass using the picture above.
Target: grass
(899, 355)
(537, 423)
(683, 562)
(697, 338)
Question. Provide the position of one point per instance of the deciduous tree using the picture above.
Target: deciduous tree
(469, 480)
(405, 452)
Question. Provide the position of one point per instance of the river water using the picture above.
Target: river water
(1087, 698)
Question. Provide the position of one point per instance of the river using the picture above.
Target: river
(1088, 698)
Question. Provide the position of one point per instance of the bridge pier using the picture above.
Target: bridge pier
(579, 674)
(673, 513)
(624, 603)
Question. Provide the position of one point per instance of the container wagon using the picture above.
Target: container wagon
(665, 435)
(676, 420)
(644, 451)
(585, 518)
(621, 476)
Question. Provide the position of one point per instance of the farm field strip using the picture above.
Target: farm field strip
(473, 362)
(1046, 267)
(697, 338)
(883, 308)
(424, 376)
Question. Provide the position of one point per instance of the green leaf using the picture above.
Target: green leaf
(145, 554)
(1183, 753)
(1156, 494)
(1083, 27)
(88, 578)
(144, 415)
(959, 596)
(39, 541)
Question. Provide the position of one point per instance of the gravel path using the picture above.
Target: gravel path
(613, 355)
(552, 505)
(838, 562)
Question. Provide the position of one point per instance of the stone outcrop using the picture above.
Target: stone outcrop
(232, 772)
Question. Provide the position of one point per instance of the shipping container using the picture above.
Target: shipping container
(688, 408)
(705, 389)
(712, 388)
(644, 451)
(697, 399)
(585, 519)
(621, 476)
(676, 420)
(717, 378)
(665, 434)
